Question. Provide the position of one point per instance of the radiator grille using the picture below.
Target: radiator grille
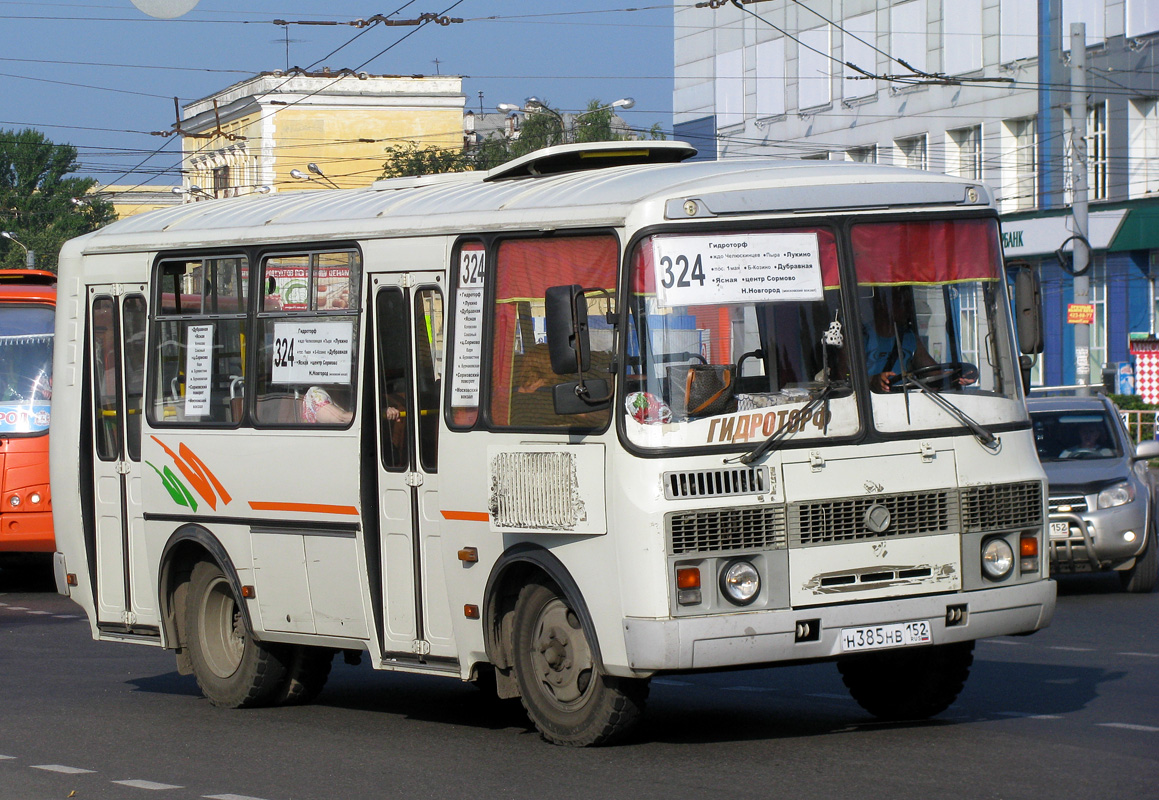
(1077, 503)
(709, 530)
(1002, 506)
(716, 482)
(844, 520)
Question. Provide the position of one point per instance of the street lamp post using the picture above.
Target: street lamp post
(533, 105)
(29, 256)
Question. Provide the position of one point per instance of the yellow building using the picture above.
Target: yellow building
(130, 200)
(263, 134)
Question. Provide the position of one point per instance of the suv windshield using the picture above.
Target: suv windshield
(25, 368)
(733, 334)
(1066, 435)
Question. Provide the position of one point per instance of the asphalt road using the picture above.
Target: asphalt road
(1072, 712)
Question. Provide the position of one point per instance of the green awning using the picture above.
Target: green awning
(1139, 231)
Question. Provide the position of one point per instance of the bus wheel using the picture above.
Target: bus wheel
(306, 675)
(910, 683)
(1140, 579)
(563, 691)
(232, 669)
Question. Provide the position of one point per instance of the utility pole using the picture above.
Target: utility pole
(1078, 141)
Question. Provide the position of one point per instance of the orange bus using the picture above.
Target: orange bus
(27, 311)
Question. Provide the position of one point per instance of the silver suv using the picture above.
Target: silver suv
(1102, 509)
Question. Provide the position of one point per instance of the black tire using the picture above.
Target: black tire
(910, 683)
(1141, 578)
(232, 669)
(563, 691)
(306, 675)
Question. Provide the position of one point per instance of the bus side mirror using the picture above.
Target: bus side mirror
(566, 313)
(1028, 310)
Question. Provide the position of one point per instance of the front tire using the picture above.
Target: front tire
(909, 683)
(232, 669)
(1141, 578)
(567, 697)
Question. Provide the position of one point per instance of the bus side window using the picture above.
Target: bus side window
(428, 320)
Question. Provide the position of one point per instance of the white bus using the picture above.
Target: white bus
(599, 414)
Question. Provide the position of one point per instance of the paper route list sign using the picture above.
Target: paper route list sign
(744, 268)
(313, 352)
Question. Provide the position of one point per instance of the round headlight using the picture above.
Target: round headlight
(997, 559)
(1118, 495)
(34, 498)
(740, 582)
(14, 500)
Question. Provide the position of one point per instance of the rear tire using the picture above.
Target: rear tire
(306, 675)
(909, 683)
(1141, 578)
(566, 696)
(232, 669)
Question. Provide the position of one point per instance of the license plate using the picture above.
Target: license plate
(1059, 530)
(898, 634)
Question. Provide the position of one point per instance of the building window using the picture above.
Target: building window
(1019, 161)
(964, 153)
(1143, 147)
(730, 88)
(770, 58)
(1098, 340)
(1018, 30)
(857, 49)
(862, 155)
(1097, 151)
(813, 68)
(911, 152)
(962, 38)
(907, 24)
(221, 181)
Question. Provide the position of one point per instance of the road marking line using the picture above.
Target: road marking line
(229, 797)
(5, 758)
(1003, 641)
(667, 682)
(61, 768)
(1026, 715)
(1129, 727)
(17, 608)
(136, 784)
(66, 616)
(40, 612)
(1139, 655)
(1073, 649)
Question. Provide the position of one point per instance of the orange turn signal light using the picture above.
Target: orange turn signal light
(1028, 546)
(471, 611)
(249, 592)
(469, 555)
(70, 579)
(688, 578)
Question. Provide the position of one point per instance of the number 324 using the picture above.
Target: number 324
(681, 265)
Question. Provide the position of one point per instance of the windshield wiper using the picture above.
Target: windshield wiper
(809, 408)
(984, 437)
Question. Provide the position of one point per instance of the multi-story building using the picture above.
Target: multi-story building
(975, 88)
(261, 134)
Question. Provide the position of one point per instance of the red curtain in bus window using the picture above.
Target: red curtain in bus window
(524, 270)
(931, 251)
(644, 280)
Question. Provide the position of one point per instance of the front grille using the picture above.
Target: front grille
(709, 530)
(843, 520)
(716, 482)
(1002, 506)
(1077, 503)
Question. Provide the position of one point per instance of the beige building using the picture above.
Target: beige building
(130, 200)
(263, 134)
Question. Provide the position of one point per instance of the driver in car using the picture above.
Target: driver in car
(1092, 442)
(892, 344)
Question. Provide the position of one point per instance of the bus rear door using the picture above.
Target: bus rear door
(126, 599)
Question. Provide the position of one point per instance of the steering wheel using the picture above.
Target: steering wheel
(946, 375)
(1083, 452)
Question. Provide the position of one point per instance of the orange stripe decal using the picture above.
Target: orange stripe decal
(305, 508)
(471, 516)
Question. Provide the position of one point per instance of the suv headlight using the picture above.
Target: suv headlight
(1117, 495)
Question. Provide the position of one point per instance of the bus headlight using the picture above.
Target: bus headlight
(14, 500)
(1118, 495)
(740, 582)
(997, 559)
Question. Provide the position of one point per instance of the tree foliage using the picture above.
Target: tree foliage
(36, 199)
(543, 128)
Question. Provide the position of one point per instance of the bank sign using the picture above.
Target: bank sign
(1044, 235)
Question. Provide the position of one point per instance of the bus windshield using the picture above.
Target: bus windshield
(25, 369)
(737, 336)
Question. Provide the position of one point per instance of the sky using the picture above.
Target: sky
(101, 75)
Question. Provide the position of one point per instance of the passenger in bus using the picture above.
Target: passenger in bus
(319, 407)
(892, 344)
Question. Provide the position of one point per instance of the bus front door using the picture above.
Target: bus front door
(126, 600)
(408, 330)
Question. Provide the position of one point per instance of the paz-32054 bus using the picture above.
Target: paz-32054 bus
(599, 414)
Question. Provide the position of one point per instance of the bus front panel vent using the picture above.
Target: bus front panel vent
(726, 529)
(729, 481)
